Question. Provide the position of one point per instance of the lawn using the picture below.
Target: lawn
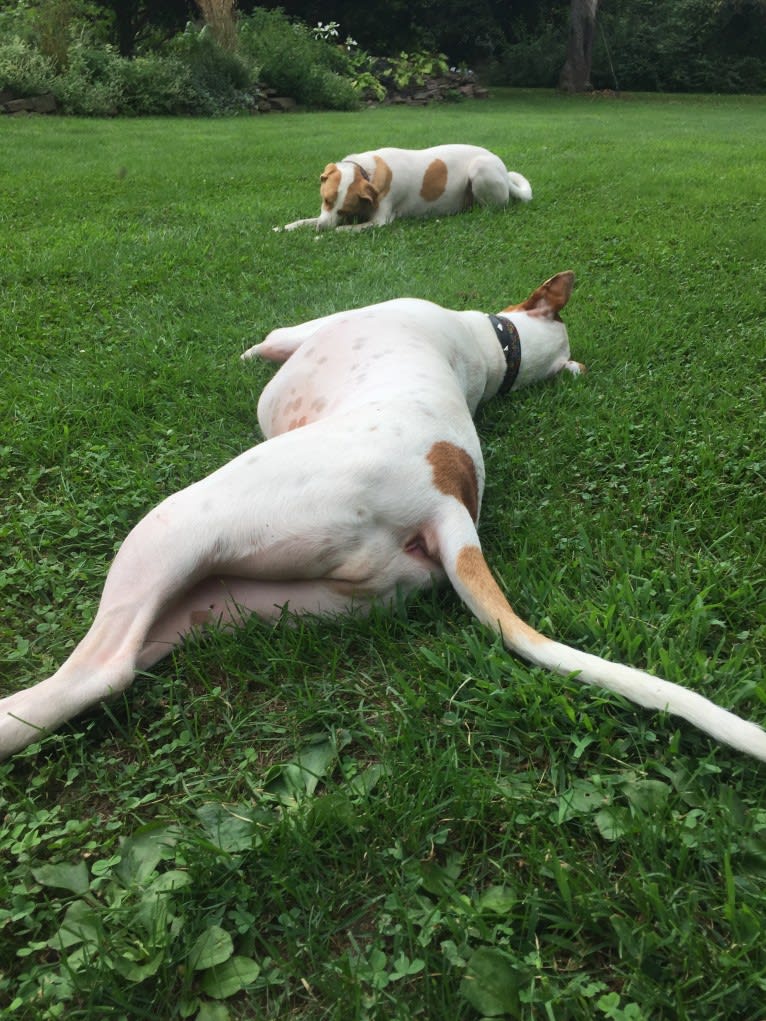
(390, 818)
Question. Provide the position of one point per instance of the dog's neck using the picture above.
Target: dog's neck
(362, 171)
(510, 342)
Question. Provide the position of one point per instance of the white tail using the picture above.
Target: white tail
(519, 186)
(473, 581)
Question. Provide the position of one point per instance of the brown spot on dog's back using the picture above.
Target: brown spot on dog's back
(454, 474)
(434, 181)
(381, 178)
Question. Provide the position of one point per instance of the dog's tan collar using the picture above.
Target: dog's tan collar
(362, 171)
(510, 342)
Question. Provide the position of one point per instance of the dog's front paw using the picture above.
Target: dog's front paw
(296, 223)
(576, 368)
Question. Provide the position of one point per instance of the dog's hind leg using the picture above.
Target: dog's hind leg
(124, 639)
(227, 602)
(284, 341)
(493, 185)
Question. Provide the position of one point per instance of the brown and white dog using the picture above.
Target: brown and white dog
(368, 189)
(369, 483)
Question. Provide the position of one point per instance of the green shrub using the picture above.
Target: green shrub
(687, 46)
(23, 69)
(409, 70)
(534, 60)
(92, 83)
(155, 85)
(222, 80)
(295, 63)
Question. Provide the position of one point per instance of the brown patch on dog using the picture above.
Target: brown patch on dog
(549, 298)
(381, 178)
(198, 618)
(473, 571)
(434, 181)
(454, 474)
(329, 182)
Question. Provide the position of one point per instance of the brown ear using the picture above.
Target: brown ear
(369, 193)
(549, 298)
(326, 172)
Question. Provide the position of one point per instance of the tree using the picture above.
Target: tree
(575, 74)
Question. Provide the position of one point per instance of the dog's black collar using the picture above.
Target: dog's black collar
(510, 342)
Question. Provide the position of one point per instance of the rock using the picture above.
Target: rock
(32, 104)
(283, 104)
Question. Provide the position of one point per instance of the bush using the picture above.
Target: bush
(194, 76)
(222, 81)
(534, 59)
(155, 85)
(23, 69)
(293, 62)
(687, 46)
(91, 84)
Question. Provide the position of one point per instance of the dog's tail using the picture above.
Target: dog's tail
(520, 187)
(466, 568)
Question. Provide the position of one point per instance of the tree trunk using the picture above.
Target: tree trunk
(575, 74)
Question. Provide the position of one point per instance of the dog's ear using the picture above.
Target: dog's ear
(549, 298)
(369, 193)
(326, 172)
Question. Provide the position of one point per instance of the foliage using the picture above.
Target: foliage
(192, 79)
(23, 68)
(408, 69)
(192, 74)
(52, 25)
(160, 85)
(533, 58)
(296, 62)
(61, 46)
(223, 81)
(685, 46)
(92, 81)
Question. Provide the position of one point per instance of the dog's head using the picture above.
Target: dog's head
(347, 194)
(543, 336)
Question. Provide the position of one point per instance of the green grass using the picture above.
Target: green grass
(391, 818)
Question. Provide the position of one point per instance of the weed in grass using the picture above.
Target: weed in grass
(390, 818)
